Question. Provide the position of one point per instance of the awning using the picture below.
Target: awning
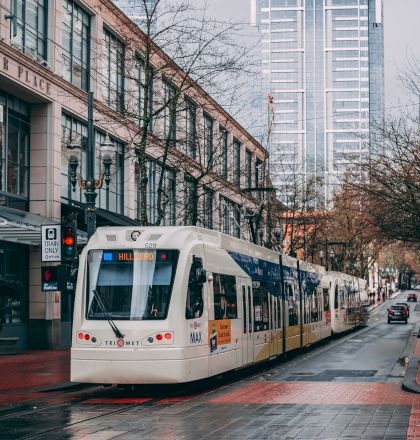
(25, 227)
(103, 216)
(114, 219)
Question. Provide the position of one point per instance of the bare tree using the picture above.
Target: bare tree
(352, 226)
(304, 227)
(181, 53)
(388, 183)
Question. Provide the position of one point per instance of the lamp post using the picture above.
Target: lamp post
(90, 184)
(332, 255)
(321, 257)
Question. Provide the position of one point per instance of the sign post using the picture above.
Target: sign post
(51, 243)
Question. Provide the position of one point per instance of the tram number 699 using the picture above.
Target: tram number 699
(150, 245)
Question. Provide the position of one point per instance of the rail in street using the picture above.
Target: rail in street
(349, 387)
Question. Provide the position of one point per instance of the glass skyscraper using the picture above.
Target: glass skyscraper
(322, 65)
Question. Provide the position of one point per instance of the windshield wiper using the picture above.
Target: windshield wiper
(101, 304)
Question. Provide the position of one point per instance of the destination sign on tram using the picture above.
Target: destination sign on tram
(121, 256)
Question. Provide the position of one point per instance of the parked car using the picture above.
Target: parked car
(412, 297)
(407, 307)
(397, 313)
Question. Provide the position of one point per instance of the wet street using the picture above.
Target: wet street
(347, 388)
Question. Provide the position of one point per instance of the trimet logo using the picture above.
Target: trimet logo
(120, 343)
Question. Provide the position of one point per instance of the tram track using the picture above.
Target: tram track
(128, 407)
(204, 387)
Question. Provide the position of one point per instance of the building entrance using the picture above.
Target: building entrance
(14, 271)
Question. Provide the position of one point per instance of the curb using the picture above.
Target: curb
(67, 386)
(409, 382)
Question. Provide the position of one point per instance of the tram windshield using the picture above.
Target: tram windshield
(132, 284)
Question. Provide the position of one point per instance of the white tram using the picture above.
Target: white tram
(178, 304)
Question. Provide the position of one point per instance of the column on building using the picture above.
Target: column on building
(44, 181)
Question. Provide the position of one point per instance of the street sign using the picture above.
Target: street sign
(51, 243)
(49, 278)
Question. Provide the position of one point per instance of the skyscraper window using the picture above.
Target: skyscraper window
(323, 65)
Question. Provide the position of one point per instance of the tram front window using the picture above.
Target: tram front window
(132, 284)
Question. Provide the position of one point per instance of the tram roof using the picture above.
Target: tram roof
(174, 237)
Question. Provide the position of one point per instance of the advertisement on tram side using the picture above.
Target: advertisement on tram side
(220, 334)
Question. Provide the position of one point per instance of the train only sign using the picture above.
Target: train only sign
(51, 243)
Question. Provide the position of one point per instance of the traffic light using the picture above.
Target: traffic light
(68, 242)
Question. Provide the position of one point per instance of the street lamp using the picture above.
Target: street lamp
(332, 255)
(321, 256)
(90, 184)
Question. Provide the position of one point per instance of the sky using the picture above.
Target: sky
(401, 34)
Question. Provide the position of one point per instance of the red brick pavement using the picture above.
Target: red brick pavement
(328, 393)
(320, 393)
(34, 369)
(417, 349)
(22, 375)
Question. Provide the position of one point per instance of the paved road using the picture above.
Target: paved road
(348, 389)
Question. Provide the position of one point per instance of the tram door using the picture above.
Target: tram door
(248, 324)
(276, 342)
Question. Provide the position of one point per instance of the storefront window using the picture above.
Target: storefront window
(13, 283)
(14, 146)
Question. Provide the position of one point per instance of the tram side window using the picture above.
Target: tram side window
(225, 300)
(314, 314)
(244, 315)
(326, 300)
(260, 296)
(307, 307)
(342, 301)
(293, 306)
(336, 298)
(195, 304)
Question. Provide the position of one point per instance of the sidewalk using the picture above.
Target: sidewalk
(378, 303)
(27, 375)
(411, 381)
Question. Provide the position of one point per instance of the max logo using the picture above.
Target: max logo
(195, 338)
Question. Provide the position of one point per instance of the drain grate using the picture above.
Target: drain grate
(301, 374)
(328, 375)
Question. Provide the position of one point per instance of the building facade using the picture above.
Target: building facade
(323, 65)
(51, 55)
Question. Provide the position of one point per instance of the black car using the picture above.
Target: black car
(407, 307)
(397, 313)
(412, 297)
